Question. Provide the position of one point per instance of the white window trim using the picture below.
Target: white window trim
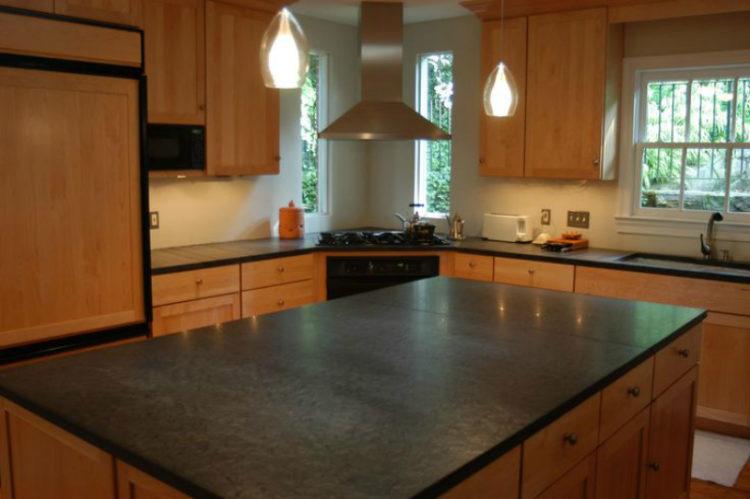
(631, 218)
(318, 220)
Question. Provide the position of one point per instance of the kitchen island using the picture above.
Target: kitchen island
(414, 390)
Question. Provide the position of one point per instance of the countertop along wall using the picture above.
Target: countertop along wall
(392, 164)
(195, 211)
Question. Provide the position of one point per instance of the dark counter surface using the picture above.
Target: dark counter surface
(400, 392)
(175, 259)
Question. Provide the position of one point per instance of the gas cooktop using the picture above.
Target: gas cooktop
(371, 238)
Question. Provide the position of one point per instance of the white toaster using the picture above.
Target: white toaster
(510, 228)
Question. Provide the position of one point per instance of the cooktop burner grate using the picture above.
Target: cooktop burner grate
(371, 238)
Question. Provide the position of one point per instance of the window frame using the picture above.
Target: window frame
(323, 208)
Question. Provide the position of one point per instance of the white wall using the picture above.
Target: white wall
(392, 171)
(211, 210)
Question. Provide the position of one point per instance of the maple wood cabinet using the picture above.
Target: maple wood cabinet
(621, 461)
(114, 11)
(534, 274)
(134, 484)
(38, 5)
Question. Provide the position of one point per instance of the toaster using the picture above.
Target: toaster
(510, 228)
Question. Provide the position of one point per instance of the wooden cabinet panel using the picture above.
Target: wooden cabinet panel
(265, 273)
(565, 94)
(501, 140)
(624, 398)
(113, 11)
(577, 483)
(242, 122)
(69, 205)
(175, 39)
(621, 461)
(277, 298)
(134, 484)
(552, 451)
(676, 359)
(477, 267)
(671, 439)
(716, 296)
(41, 460)
(193, 284)
(544, 275)
(194, 314)
(498, 480)
(39, 5)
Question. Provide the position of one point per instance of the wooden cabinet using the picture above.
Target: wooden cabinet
(195, 313)
(276, 271)
(277, 298)
(572, 89)
(501, 140)
(671, 439)
(134, 484)
(498, 480)
(676, 359)
(113, 11)
(625, 398)
(578, 483)
(193, 284)
(476, 267)
(69, 205)
(534, 274)
(38, 5)
(621, 461)
(242, 122)
(175, 61)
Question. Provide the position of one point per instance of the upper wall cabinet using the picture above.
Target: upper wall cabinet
(175, 61)
(242, 122)
(39, 5)
(113, 11)
(502, 139)
(572, 89)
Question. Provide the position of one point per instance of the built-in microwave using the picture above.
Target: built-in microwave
(176, 147)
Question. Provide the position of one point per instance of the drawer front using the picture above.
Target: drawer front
(475, 267)
(497, 480)
(552, 451)
(676, 359)
(197, 313)
(276, 271)
(544, 275)
(276, 298)
(625, 398)
(194, 284)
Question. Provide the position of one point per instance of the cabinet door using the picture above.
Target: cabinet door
(242, 122)
(113, 11)
(621, 461)
(40, 5)
(497, 480)
(501, 140)
(134, 484)
(194, 314)
(175, 61)
(671, 439)
(577, 483)
(70, 209)
(565, 89)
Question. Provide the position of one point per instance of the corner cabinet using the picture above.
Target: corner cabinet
(242, 124)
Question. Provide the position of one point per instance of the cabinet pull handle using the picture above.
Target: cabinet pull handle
(654, 466)
(571, 438)
(683, 352)
(634, 391)
(280, 303)
(198, 281)
(279, 269)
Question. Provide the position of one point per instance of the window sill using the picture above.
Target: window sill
(725, 231)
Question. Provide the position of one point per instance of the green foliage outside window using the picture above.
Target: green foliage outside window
(310, 100)
(439, 100)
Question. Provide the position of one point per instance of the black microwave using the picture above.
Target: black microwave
(176, 147)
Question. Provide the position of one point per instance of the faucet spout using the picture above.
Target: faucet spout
(708, 242)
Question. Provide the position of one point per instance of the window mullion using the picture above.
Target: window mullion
(682, 179)
(688, 111)
(727, 177)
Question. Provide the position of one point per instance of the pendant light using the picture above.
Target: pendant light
(284, 52)
(500, 90)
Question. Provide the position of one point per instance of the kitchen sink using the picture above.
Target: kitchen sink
(687, 263)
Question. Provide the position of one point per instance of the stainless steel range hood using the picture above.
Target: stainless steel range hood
(382, 114)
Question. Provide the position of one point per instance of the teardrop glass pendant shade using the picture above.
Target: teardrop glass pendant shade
(284, 52)
(500, 93)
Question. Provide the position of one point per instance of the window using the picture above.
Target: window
(434, 157)
(314, 152)
(692, 142)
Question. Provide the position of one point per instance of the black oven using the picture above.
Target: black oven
(352, 275)
(176, 147)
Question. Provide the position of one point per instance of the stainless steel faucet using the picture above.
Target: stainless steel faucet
(708, 243)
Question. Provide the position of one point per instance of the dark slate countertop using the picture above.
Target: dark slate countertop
(179, 258)
(395, 393)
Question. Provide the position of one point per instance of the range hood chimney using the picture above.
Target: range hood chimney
(382, 114)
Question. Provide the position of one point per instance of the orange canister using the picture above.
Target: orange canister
(291, 222)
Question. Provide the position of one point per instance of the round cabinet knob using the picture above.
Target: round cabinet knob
(280, 303)
(634, 391)
(481, 161)
(531, 271)
(596, 162)
(279, 269)
(198, 281)
(654, 466)
(683, 352)
(570, 438)
(472, 265)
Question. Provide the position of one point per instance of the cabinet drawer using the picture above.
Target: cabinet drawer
(552, 451)
(196, 313)
(473, 267)
(277, 271)
(676, 359)
(497, 480)
(625, 398)
(276, 298)
(535, 274)
(193, 284)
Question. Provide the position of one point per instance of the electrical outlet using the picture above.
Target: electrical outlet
(578, 219)
(546, 216)
(153, 217)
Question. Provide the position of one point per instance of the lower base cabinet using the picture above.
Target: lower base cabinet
(134, 484)
(621, 461)
(277, 298)
(195, 313)
(578, 483)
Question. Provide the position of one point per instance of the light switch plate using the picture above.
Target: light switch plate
(578, 219)
(153, 217)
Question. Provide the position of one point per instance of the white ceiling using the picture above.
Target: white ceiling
(347, 11)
